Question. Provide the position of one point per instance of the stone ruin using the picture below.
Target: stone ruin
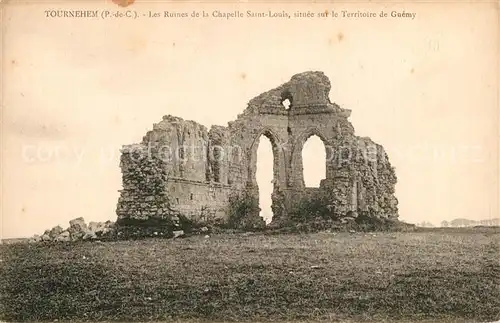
(180, 166)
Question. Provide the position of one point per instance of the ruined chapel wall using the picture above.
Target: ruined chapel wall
(219, 153)
(330, 128)
(366, 182)
(149, 192)
(260, 128)
(172, 165)
(144, 179)
(197, 170)
(199, 201)
(182, 144)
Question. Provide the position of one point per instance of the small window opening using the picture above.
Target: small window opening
(286, 103)
(191, 196)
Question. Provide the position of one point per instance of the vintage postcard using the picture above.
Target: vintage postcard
(249, 161)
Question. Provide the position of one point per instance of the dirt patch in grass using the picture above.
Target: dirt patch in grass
(364, 277)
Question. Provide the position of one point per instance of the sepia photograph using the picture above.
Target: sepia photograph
(249, 161)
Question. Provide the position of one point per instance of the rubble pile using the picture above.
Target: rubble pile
(77, 230)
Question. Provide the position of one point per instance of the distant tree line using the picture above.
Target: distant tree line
(426, 224)
(459, 223)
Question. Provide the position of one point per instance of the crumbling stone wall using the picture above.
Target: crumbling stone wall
(198, 170)
(145, 192)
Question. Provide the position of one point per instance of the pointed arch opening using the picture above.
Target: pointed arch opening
(314, 161)
(264, 176)
(265, 172)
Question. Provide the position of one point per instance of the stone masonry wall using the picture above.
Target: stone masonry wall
(176, 170)
(197, 170)
(144, 177)
(199, 200)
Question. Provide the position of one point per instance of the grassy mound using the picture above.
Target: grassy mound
(418, 276)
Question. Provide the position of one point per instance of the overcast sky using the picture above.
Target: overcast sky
(75, 90)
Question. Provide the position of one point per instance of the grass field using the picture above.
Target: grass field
(435, 275)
